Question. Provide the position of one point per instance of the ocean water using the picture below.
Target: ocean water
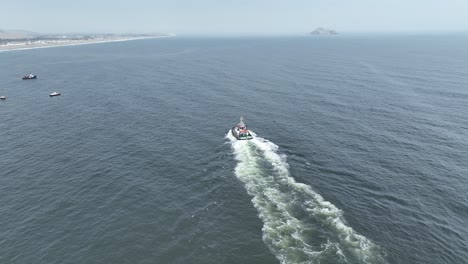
(360, 152)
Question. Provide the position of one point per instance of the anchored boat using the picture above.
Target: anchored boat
(240, 131)
(30, 77)
(54, 94)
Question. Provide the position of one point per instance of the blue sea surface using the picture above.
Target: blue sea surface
(360, 152)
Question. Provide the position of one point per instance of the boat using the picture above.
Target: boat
(240, 131)
(54, 94)
(2, 97)
(30, 77)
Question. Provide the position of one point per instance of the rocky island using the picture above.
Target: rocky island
(323, 31)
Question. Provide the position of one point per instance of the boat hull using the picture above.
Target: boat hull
(236, 135)
(29, 78)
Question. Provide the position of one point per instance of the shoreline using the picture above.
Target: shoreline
(65, 43)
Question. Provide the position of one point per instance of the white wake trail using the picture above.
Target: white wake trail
(299, 225)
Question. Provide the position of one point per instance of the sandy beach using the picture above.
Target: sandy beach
(37, 44)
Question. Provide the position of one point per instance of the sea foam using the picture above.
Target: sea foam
(299, 225)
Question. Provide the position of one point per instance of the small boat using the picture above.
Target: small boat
(30, 77)
(2, 97)
(240, 131)
(54, 94)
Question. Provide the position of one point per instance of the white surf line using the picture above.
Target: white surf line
(78, 44)
(277, 196)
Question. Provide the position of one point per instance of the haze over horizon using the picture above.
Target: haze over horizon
(241, 17)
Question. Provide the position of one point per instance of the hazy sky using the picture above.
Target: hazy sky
(235, 16)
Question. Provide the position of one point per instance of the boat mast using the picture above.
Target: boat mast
(241, 123)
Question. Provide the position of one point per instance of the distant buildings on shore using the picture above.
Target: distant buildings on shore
(12, 40)
(23, 36)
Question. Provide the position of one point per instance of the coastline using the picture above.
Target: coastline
(69, 42)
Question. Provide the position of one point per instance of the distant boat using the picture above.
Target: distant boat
(240, 131)
(30, 77)
(2, 97)
(54, 94)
